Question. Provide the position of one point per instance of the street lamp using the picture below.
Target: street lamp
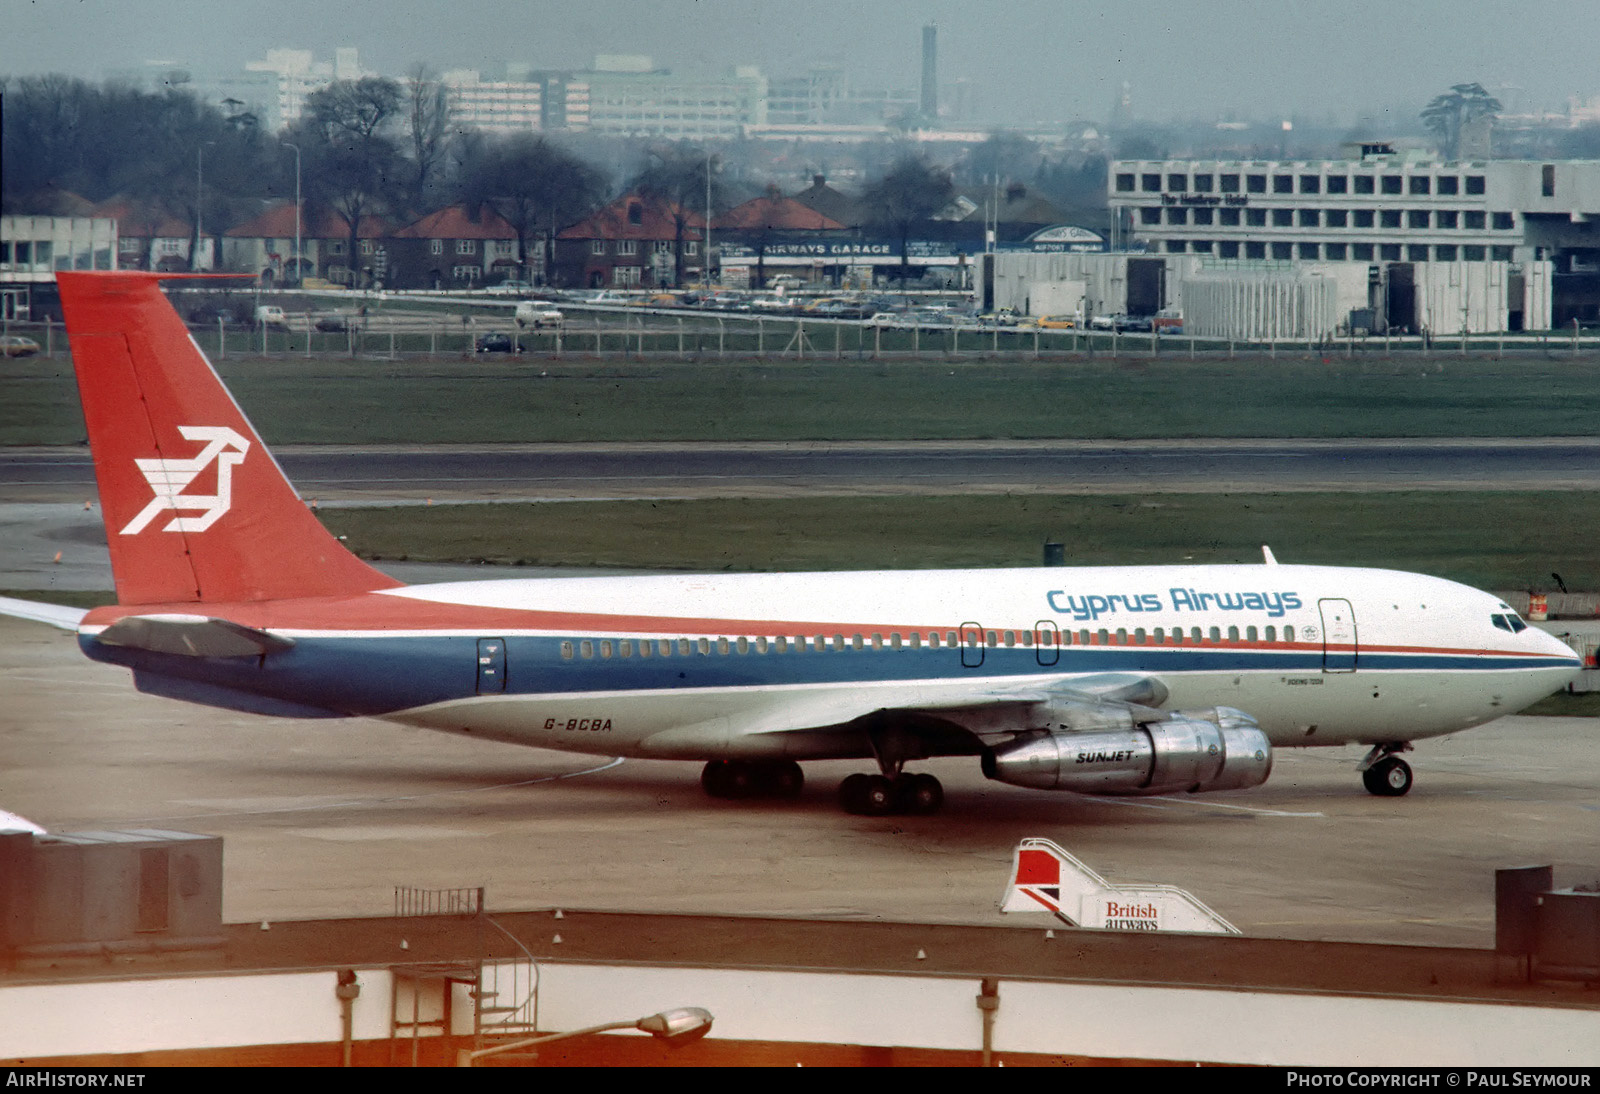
(199, 202)
(678, 1027)
(296, 147)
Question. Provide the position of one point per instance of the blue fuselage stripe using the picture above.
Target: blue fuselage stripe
(377, 675)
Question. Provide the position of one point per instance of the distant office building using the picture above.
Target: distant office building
(496, 106)
(930, 72)
(290, 75)
(624, 96)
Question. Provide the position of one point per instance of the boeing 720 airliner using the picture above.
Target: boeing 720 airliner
(1105, 680)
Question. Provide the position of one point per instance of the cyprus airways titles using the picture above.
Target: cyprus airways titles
(232, 593)
(1091, 606)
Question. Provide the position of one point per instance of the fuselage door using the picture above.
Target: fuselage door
(1047, 642)
(1339, 646)
(971, 645)
(491, 666)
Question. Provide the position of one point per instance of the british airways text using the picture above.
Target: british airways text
(1094, 605)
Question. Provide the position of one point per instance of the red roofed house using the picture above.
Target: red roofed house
(150, 238)
(632, 243)
(264, 246)
(454, 247)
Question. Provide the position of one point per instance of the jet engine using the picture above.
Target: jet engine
(1215, 749)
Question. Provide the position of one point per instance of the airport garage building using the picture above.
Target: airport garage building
(1384, 242)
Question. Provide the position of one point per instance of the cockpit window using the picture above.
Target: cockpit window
(1500, 621)
(1509, 622)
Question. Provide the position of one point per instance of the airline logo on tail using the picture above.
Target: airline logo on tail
(168, 478)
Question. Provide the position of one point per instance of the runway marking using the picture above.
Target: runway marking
(363, 802)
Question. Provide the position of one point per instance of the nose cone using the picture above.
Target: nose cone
(1554, 669)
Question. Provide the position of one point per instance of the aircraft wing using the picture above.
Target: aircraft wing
(943, 722)
(54, 614)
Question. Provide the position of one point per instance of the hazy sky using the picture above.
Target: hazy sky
(1029, 59)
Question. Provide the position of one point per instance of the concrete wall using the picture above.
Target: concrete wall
(40, 1022)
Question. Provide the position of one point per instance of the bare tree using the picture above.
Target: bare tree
(536, 186)
(910, 192)
(353, 167)
(427, 103)
(685, 178)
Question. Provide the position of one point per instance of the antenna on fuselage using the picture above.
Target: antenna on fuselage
(1267, 557)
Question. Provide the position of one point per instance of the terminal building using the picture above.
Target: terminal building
(1402, 242)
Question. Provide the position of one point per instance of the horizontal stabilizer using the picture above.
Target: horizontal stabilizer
(54, 614)
(192, 636)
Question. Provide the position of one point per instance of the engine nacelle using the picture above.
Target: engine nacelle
(1220, 749)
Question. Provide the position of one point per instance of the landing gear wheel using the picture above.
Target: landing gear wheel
(921, 795)
(867, 795)
(1390, 777)
(785, 779)
(715, 779)
(752, 779)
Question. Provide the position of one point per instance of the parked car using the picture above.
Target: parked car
(15, 345)
(332, 324)
(512, 288)
(1058, 322)
(497, 343)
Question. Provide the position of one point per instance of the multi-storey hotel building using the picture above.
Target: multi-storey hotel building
(1380, 208)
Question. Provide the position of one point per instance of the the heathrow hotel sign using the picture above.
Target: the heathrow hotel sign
(1204, 199)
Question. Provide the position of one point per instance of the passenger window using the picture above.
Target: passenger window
(1161, 636)
(586, 648)
(705, 646)
(1122, 636)
(605, 649)
(857, 642)
(1216, 634)
(566, 651)
(1250, 634)
(625, 648)
(1194, 635)
(1288, 634)
(780, 644)
(1233, 634)
(1272, 634)
(1102, 636)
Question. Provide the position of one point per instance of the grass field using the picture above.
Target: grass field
(1489, 540)
(456, 401)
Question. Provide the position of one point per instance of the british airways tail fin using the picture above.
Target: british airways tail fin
(196, 508)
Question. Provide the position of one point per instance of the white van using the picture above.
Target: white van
(536, 314)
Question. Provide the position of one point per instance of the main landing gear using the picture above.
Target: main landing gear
(881, 795)
(1384, 773)
(752, 779)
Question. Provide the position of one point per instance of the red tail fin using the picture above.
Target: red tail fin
(196, 508)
